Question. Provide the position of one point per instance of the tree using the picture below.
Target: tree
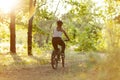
(31, 13)
(12, 33)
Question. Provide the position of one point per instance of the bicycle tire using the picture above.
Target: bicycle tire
(63, 60)
(54, 61)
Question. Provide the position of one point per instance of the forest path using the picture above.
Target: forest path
(77, 67)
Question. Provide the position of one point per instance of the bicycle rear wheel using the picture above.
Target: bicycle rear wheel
(54, 60)
(63, 60)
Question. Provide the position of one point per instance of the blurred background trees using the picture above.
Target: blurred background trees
(88, 24)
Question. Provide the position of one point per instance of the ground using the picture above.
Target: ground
(77, 67)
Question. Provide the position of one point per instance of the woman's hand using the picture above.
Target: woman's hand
(67, 40)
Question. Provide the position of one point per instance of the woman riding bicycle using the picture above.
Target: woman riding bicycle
(57, 34)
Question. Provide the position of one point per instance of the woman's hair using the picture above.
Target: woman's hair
(59, 22)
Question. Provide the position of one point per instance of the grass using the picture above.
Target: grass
(79, 66)
(19, 61)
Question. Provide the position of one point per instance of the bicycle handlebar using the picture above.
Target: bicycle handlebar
(66, 40)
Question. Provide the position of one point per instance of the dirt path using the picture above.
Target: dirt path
(36, 73)
(44, 72)
(75, 69)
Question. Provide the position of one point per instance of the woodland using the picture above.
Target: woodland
(26, 28)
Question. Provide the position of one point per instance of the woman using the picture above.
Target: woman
(57, 34)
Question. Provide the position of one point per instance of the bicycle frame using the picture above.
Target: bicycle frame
(55, 58)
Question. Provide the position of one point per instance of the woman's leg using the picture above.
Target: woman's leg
(54, 43)
(61, 43)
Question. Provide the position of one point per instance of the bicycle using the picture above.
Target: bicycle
(56, 57)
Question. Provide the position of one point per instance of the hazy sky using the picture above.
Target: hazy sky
(62, 7)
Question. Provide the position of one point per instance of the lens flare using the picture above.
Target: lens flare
(7, 5)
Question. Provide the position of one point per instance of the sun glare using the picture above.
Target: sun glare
(7, 5)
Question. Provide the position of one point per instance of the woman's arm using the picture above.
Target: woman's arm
(66, 35)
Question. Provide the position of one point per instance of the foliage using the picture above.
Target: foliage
(112, 37)
(86, 24)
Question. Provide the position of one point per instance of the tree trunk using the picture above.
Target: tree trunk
(30, 36)
(31, 13)
(12, 33)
